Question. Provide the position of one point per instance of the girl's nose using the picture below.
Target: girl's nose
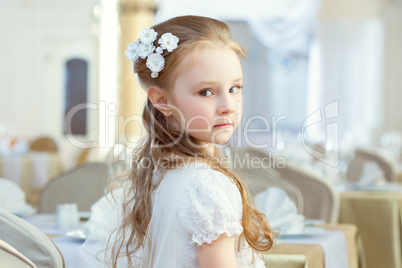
(226, 105)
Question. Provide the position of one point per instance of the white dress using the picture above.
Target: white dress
(193, 204)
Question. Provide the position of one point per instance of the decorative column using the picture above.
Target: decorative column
(134, 15)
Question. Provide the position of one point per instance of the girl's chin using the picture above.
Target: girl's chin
(222, 138)
(220, 142)
(219, 138)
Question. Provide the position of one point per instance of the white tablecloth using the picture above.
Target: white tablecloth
(333, 243)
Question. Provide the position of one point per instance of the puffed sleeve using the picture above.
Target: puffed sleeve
(211, 205)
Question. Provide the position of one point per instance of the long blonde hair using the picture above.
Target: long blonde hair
(194, 34)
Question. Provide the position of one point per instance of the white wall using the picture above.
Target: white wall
(223, 9)
(393, 66)
(37, 37)
(389, 14)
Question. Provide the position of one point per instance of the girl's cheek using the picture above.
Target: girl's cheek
(200, 124)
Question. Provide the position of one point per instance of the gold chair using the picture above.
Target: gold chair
(83, 156)
(320, 199)
(363, 156)
(43, 144)
(258, 178)
(92, 155)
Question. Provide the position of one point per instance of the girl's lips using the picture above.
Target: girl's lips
(223, 125)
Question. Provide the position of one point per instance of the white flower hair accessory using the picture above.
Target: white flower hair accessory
(155, 63)
(144, 48)
(168, 41)
(148, 36)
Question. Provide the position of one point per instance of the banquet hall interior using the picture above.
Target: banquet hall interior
(321, 116)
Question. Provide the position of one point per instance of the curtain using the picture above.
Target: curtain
(346, 66)
(289, 32)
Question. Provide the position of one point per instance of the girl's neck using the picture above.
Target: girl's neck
(210, 149)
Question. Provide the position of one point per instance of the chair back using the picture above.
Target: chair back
(43, 144)
(10, 257)
(83, 185)
(259, 177)
(362, 156)
(321, 200)
(29, 241)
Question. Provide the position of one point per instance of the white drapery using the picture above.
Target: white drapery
(287, 39)
(288, 32)
(346, 66)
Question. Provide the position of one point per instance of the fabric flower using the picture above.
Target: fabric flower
(148, 36)
(168, 41)
(132, 51)
(155, 63)
(159, 50)
(145, 49)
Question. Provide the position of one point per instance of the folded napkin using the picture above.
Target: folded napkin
(97, 211)
(372, 174)
(279, 209)
(12, 198)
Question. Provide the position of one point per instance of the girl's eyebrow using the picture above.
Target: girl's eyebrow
(214, 82)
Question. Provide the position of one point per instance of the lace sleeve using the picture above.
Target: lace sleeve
(211, 205)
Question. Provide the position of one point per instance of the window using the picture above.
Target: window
(76, 87)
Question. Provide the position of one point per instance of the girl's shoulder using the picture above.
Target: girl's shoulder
(200, 179)
(196, 166)
(210, 204)
(197, 177)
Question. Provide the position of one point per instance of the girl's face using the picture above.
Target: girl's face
(207, 95)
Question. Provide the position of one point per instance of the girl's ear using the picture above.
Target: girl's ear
(159, 100)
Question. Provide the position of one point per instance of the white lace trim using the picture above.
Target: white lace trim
(200, 239)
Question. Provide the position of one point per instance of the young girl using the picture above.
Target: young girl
(182, 206)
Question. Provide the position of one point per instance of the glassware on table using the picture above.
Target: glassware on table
(67, 216)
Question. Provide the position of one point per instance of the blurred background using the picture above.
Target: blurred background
(322, 97)
(64, 74)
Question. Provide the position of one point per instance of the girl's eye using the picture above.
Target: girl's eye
(235, 89)
(206, 92)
